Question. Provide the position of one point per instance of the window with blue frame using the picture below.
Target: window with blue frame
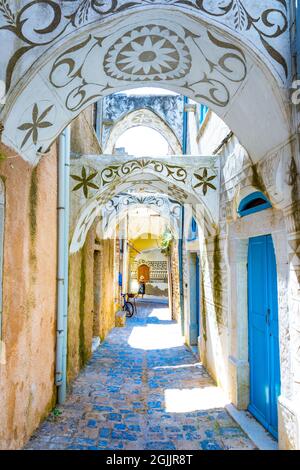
(202, 112)
(254, 202)
(193, 231)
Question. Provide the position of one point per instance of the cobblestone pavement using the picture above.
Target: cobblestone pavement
(142, 389)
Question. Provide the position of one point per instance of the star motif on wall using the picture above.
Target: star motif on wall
(85, 182)
(204, 181)
(38, 122)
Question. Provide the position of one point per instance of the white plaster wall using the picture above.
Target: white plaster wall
(211, 134)
(151, 255)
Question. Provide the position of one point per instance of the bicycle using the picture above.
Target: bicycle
(127, 306)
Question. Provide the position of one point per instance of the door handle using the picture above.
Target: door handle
(268, 316)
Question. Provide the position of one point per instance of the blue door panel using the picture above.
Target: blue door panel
(263, 332)
(194, 299)
(257, 339)
(259, 393)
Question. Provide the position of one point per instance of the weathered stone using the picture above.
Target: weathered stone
(120, 318)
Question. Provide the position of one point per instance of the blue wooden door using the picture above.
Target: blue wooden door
(263, 332)
(194, 299)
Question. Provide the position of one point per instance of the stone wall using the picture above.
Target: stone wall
(107, 289)
(83, 136)
(29, 296)
(83, 322)
(175, 284)
(81, 304)
(87, 294)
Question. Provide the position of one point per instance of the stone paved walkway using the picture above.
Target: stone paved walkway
(143, 389)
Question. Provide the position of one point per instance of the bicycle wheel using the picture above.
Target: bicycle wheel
(129, 309)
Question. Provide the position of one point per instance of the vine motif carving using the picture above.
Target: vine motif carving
(263, 24)
(110, 173)
(19, 24)
(218, 93)
(101, 7)
(231, 65)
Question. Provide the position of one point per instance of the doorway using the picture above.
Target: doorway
(263, 332)
(194, 299)
(144, 270)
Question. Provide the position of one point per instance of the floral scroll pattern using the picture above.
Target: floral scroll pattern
(152, 53)
(268, 23)
(111, 175)
(112, 172)
(81, 64)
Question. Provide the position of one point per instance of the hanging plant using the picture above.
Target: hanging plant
(165, 242)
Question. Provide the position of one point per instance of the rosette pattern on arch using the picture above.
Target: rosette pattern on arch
(148, 53)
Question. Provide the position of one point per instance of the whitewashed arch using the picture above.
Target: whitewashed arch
(122, 205)
(108, 231)
(64, 56)
(178, 180)
(147, 118)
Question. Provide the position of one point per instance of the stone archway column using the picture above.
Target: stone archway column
(238, 302)
(289, 401)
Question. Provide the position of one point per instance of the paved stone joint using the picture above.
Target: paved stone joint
(143, 389)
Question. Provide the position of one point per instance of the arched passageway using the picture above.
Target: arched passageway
(112, 215)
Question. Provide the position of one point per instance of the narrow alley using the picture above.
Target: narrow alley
(150, 153)
(143, 389)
